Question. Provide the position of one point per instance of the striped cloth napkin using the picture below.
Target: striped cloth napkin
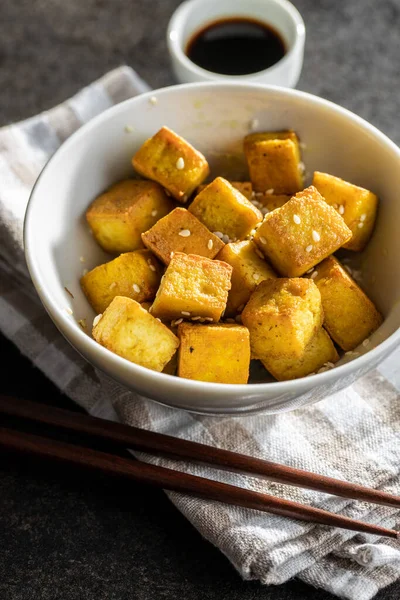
(352, 435)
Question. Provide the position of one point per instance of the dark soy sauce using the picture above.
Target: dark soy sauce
(236, 46)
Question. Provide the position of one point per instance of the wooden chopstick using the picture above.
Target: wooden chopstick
(61, 452)
(160, 444)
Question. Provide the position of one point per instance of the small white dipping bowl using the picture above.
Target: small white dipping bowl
(193, 15)
(214, 117)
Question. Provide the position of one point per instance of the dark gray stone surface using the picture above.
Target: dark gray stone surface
(68, 536)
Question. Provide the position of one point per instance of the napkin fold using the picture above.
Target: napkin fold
(352, 435)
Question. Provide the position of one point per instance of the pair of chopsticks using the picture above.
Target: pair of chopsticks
(12, 440)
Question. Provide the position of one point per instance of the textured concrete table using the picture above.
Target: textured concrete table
(67, 537)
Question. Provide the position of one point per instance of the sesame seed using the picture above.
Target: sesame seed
(69, 311)
(171, 255)
(336, 206)
(82, 323)
(167, 192)
(240, 308)
(263, 240)
(208, 319)
(238, 319)
(302, 167)
(323, 369)
(310, 270)
(315, 236)
(365, 343)
(136, 288)
(196, 318)
(177, 322)
(254, 123)
(85, 271)
(218, 234)
(97, 319)
(128, 128)
(330, 365)
(341, 209)
(210, 244)
(259, 253)
(153, 213)
(360, 225)
(256, 276)
(113, 285)
(185, 198)
(184, 233)
(225, 238)
(153, 100)
(256, 203)
(158, 319)
(258, 194)
(309, 248)
(230, 321)
(180, 164)
(264, 210)
(302, 145)
(270, 191)
(185, 313)
(363, 217)
(82, 259)
(314, 275)
(296, 219)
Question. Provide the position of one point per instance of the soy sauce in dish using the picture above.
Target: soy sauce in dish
(236, 46)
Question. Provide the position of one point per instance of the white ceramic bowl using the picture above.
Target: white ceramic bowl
(214, 117)
(191, 16)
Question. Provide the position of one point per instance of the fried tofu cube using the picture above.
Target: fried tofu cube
(244, 188)
(180, 231)
(283, 315)
(357, 206)
(128, 330)
(265, 136)
(171, 161)
(193, 286)
(319, 351)
(216, 353)
(301, 233)
(274, 162)
(350, 316)
(222, 208)
(249, 269)
(271, 201)
(118, 217)
(136, 275)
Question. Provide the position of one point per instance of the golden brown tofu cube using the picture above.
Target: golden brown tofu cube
(128, 330)
(301, 233)
(356, 205)
(274, 162)
(171, 161)
(244, 188)
(249, 269)
(263, 136)
(136, 275)
(282, 315)
(223, 208)
(215, 353)
(180, 231)
(269, 202)
(118, 217)
(193, 287)
(319, 351)
(350, 316)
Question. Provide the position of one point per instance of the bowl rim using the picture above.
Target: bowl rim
(81, 340)
(175, 48)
